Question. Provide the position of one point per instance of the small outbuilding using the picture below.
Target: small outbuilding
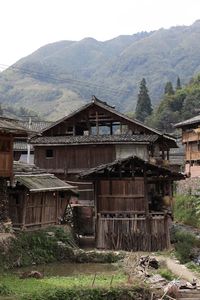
(38, 198)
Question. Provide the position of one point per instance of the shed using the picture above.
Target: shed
(38, 199)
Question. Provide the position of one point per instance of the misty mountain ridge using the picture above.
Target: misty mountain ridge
(59, 77)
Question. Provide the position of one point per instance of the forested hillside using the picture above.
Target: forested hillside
(177, 104)
(59, 77)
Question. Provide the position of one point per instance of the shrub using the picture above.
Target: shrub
(4, 290)
(184, 243)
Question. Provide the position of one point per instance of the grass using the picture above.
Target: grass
(23, 287)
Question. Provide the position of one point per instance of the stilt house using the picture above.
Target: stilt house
(191, 141)
(97, 134)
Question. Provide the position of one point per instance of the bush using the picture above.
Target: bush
(186, 210)
(132, 293)
(184, 243)
(37, 247)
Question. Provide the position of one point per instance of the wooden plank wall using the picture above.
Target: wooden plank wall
(6, 156)
(121, 195)
(37, 209)
(74, 157)
(133, 234)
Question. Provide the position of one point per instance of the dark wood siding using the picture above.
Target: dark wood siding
(121, 195)
(66, 158)
(6, 156)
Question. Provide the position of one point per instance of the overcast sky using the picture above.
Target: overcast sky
(26, 25)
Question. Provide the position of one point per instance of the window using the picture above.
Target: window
(49, 153)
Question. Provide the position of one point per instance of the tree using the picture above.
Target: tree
(1, 110)
(178, 84)
(169, 88)
(143, 107)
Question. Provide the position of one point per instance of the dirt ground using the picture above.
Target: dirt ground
(179, 270)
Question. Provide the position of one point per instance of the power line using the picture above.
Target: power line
(73, 82)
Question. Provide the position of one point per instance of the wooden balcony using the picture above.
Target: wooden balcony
(190, 137)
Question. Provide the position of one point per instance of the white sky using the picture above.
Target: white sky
(26, 25)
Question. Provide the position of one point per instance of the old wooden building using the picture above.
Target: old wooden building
(133, 204)
(37, 199)
(191, 141)
(8, 129)
(97, 134)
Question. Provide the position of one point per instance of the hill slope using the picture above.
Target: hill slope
(59, 77)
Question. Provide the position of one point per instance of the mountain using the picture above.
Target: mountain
(59, 77)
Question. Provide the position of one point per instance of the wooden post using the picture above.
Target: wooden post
(24, 203)
(97, 123)
(111, 128)
(146, 191)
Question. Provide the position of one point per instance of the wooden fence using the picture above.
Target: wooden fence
(137, 233)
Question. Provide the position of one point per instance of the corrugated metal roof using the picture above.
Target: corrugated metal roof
(95, 139)
(193, 120)
(43, 182)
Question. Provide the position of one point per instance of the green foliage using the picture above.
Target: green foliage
(169, 88)
(36, 248)
(187, 210)
(166, 273)
(4, 290)
(184, 243)
(75, 287)
(143, 107)
(178, 106)
(92, 294)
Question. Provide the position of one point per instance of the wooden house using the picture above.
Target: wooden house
(191, 141)
(8, 129)
(133, 204)
(93, 135)
(37, 199)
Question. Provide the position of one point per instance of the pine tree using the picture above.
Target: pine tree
(169, 88)
(178, 84)
(143, 107)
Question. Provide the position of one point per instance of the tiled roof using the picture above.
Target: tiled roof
(11, 125)
(35, 126)
(138, 163)
(193, 120)
(36, 179)
(97, 139)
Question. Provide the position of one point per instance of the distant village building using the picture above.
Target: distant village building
(97, 135)
(191, 141)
